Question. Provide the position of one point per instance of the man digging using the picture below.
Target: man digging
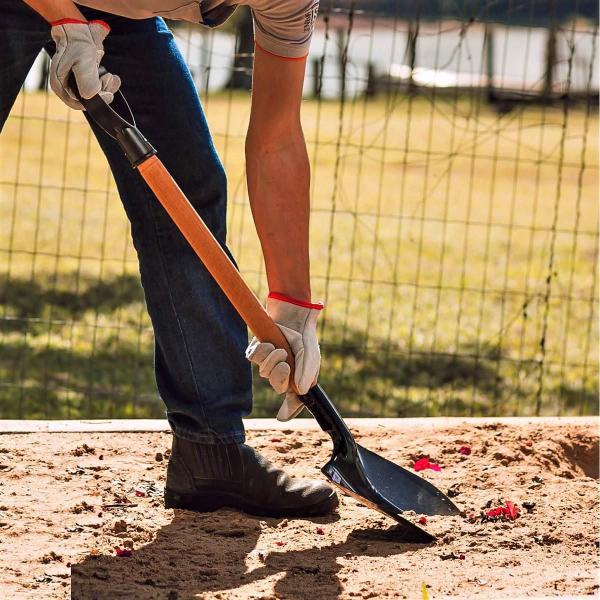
(201, 372)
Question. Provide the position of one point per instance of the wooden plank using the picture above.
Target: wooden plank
(301, 424)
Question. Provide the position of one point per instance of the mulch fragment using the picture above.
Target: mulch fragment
(454, 490)
(423, 463)
(452, 556)
(509, 512)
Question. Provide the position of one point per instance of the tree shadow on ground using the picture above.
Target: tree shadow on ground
(580, 400)
(112, 380)
(200, 553)
(66, 296)
(392, 360)
(107, 372)
(382, 380)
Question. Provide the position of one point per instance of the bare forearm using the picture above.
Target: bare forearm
(278, 184)
(54, 10)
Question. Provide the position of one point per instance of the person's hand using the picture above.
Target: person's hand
(79, 50)
(298, 322)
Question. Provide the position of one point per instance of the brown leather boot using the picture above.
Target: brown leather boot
(206, 477)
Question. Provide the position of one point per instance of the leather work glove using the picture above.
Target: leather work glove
(79, 50)
(298, 322)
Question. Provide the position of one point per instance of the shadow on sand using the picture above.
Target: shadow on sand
(200, 553)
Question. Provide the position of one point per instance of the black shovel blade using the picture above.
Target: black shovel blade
(372, 479)
(402, 488)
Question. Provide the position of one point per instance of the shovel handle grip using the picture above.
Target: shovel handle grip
(213, 256)
(122, 129)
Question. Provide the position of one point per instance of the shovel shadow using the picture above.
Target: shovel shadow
(200, 553)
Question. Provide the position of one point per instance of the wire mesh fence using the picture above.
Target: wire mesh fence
(454, 155)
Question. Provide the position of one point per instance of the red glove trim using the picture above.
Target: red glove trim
(79, 22)
(290, 300)
(66, 21)
(279, 56)
(100, 22)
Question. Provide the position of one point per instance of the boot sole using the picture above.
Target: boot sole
(211, 501)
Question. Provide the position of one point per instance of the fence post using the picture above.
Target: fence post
(371, 88)
(550, 61)
(342, 61)
(44, 71)
(489, 64)
(413, 34)
(241, 70)
(317, 77)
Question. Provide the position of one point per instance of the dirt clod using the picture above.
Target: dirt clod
(82, 450)
(51, 557)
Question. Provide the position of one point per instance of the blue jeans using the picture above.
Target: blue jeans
(201, 372)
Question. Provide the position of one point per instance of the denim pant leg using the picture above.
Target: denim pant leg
(202, 374)
(23, 34)
(201, 371)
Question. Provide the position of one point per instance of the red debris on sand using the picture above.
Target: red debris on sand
(423, 463)
(512, 511)
(508, 511)
(320, 531)
(122, 551)
(529, 443)
(275, 440)
(280, 543)
(423, 520)
(141, 494)
(464, 450)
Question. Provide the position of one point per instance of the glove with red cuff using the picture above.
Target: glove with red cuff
(298, 322)
(79, 50)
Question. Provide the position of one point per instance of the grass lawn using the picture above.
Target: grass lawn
(455, 250)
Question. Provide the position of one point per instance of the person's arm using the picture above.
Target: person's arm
(55, 10)
(79, 49)
(278, 172)
(278, 184)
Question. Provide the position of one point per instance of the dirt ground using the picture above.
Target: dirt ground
(68, 500)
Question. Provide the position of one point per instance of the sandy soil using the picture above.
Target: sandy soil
(68, 500)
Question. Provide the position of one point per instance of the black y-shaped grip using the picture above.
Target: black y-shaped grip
(136, 147)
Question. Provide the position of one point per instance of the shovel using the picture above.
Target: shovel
(356, 471)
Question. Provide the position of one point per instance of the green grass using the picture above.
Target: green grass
(433, 225)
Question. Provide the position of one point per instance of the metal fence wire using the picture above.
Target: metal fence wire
(454, 238)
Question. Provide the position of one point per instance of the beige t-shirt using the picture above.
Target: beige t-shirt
(282, 27)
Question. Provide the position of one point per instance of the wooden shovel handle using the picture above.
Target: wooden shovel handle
(213, 256)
